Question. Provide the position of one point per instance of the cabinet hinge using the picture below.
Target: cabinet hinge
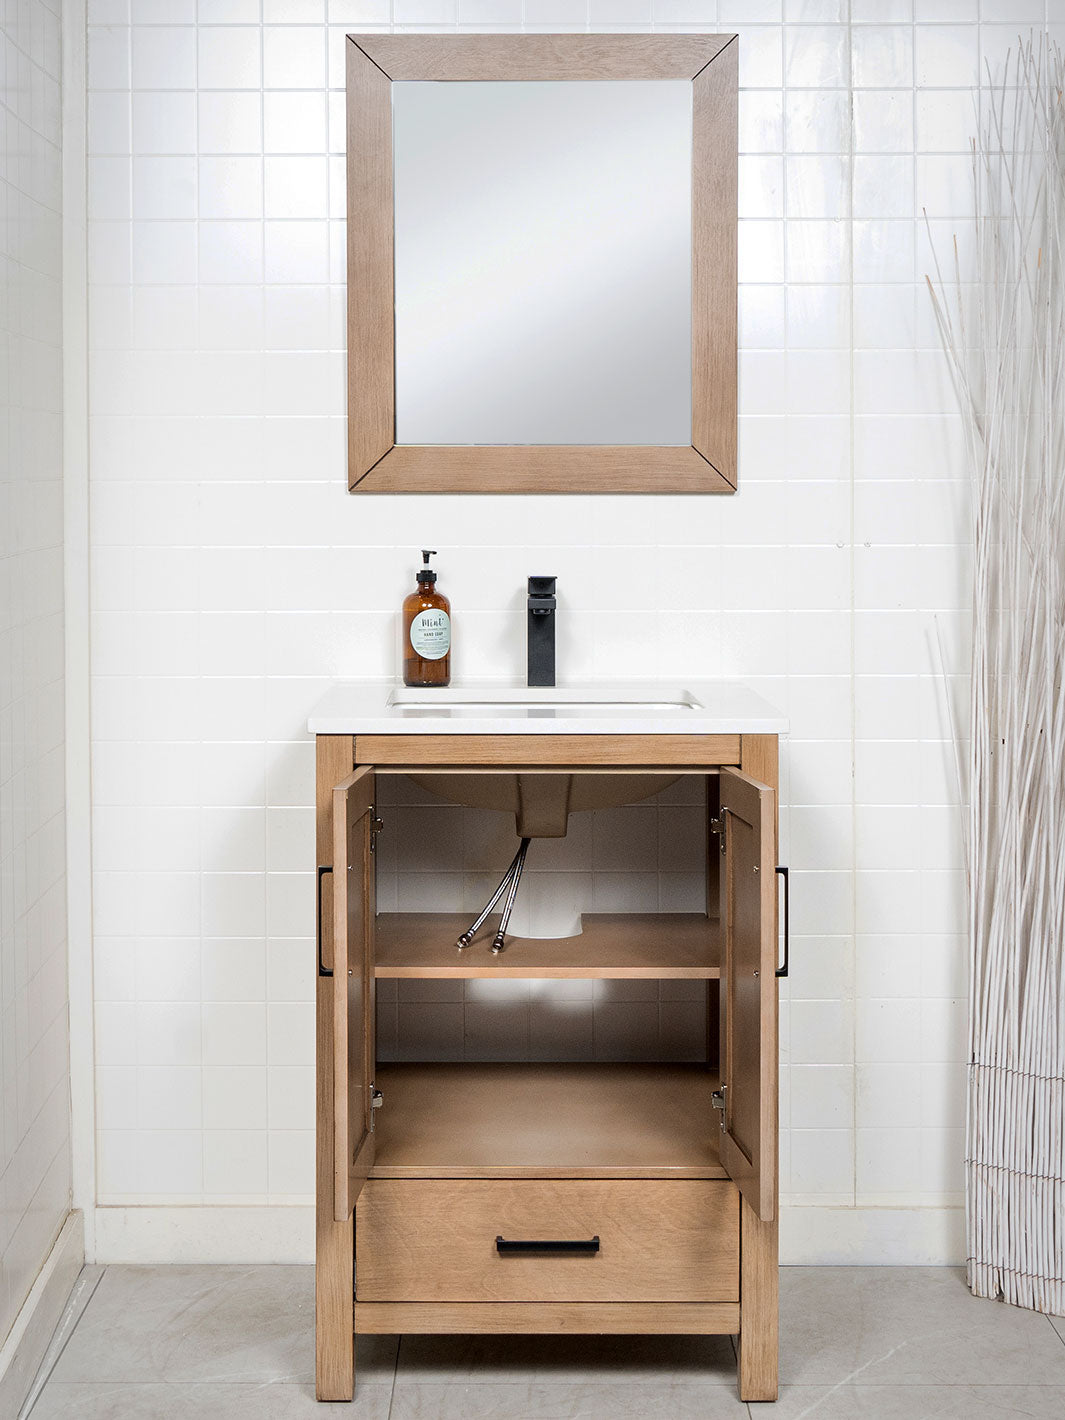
(719, 825)
(719, 1099)
(377, 1099)
(376, 825)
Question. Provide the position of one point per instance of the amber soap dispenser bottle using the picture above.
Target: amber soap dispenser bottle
(426, 631)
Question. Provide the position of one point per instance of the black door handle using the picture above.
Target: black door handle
(581, 1245)
(322, 870)
(783, 970)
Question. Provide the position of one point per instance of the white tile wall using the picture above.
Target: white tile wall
(34, 1093)
(233, 576)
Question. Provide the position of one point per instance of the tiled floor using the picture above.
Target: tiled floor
(236, 1343)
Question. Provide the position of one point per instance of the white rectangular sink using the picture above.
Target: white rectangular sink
(569, 701)
(381, 707)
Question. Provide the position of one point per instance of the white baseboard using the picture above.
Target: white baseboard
(205, 1234)
(872, 1237)
(39, 1315)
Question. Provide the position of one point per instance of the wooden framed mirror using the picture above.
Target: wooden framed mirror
(542, 263)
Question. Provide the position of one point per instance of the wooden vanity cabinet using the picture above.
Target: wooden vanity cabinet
(654, 1187)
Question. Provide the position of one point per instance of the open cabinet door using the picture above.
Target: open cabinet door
(353, 987)
(746, 826)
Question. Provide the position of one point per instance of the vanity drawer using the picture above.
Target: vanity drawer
(437, 1240)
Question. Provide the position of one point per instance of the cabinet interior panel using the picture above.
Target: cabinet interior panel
(612, 944)
(547, 1121)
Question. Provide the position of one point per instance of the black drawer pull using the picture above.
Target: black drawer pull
(583, 1245)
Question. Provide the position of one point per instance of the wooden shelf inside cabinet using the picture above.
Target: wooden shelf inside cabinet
(547, 1121)
(612, 944)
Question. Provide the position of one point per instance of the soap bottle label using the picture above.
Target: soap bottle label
(430, 634)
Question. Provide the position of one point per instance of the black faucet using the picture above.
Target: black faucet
(541, 621)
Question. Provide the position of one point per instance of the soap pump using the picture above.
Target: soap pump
(426, 630)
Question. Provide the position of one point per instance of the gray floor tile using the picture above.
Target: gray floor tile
(614, 1400)
(85, 1400)
(185, 1343)
(81, 1294)
(908, 1326)
(482, 1360)
(914, 1402)
(210, 1323)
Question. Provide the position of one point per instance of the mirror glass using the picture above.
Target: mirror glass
(543, 262)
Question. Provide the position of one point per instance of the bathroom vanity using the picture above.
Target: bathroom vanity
(556, 1196)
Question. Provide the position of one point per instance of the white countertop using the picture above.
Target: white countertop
(710, 707)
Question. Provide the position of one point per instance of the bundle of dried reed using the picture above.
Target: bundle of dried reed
(1005, 338)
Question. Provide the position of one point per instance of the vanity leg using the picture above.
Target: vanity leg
(334, 1309)
(759, 1306)
(334, 1277)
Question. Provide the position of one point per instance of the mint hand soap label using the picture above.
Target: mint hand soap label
(430, 635)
